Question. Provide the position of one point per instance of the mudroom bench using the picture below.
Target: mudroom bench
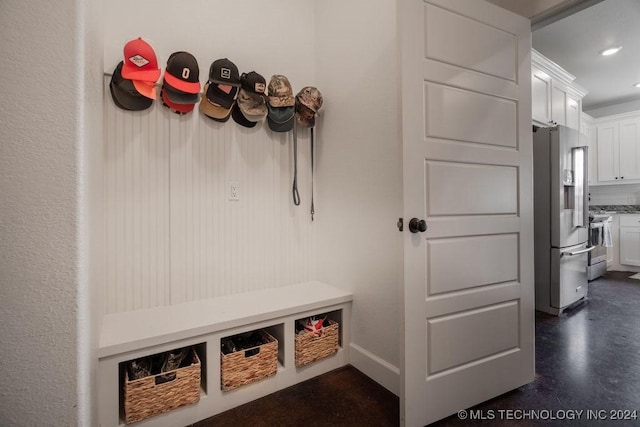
(202, 325)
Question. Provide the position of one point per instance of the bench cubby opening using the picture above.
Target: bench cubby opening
(248, 357)
(317, 344)
(159, 382)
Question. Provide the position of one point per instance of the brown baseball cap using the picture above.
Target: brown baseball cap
(280, 92)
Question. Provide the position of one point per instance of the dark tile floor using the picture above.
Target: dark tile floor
(344, 397)
(588, 359)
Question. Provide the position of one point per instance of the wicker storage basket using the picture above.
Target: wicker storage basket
(311, 347)
(150, 396)
(249, 365)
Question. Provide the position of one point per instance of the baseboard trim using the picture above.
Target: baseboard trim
(379, 370)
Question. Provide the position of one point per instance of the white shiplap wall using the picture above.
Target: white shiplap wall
(173, 236)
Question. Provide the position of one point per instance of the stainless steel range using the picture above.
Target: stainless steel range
(597, 264)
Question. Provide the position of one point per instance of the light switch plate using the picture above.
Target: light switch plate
(234, 191)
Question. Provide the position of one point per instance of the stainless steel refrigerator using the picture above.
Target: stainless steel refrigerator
(561, 218)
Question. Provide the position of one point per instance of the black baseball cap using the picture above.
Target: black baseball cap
(253, 83)
(239, 117)
(223, 95)
(182, 72)
(124, 93)
(178, 97)
(224, 72)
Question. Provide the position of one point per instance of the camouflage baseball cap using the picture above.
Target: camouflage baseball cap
(280, 92)
(305, 116)
(252, 105)
(310, 97)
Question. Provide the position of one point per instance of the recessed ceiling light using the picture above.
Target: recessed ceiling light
(610, 51)
(637, 85)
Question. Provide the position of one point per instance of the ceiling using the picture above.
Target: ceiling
(541, 10)
(575, 41)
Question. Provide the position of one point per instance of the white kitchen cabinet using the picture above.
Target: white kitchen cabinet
(629, 141)
(574, 108)
(555, 98)
(588, 138)
(541, 97)
(613, 252)
(630, 246)
(559, 103)
(610, 257)
(618, 151)
(608, 153)
(630, 240)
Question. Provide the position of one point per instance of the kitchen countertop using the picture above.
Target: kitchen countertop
(614, 209)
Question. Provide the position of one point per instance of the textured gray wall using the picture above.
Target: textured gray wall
(38, 219)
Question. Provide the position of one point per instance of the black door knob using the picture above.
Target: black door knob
(417, 225)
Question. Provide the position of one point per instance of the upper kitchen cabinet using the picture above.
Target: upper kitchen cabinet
(574, 108)
(618, 151)
(540, 97)
(556, 99)
(558, 103)
(588, 138)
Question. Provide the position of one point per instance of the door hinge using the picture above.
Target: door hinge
(400, 224)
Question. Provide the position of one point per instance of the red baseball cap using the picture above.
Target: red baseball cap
(140, 61)
(147, 89)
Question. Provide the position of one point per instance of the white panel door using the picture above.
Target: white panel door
(608, 156)
(467, 151)
(629, 141)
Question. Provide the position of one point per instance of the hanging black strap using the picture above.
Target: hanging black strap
(313, 210)
(296, 195)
